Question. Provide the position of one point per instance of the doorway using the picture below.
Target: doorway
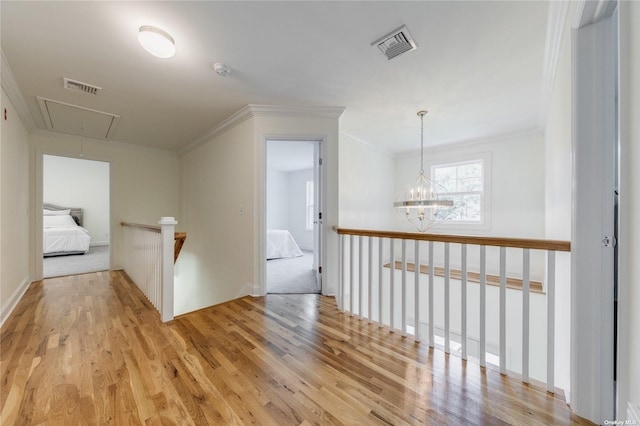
(293, 216)
(76, 222)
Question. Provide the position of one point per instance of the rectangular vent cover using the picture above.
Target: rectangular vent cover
(395, 43)
(79, 86)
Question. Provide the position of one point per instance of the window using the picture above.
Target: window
(464, 183)
(310, 206)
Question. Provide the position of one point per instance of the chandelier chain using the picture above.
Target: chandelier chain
(422, 144)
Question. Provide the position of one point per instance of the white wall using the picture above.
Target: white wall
(217, 200)
(144, 182)
(72, 182)
(557, 202)
(15, 253)
(366, 185)
(277, 204)
(223, 192)
(517, 182)
(297, 189)
(629, 233)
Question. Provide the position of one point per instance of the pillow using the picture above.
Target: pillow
(58, 221)
(56, 212)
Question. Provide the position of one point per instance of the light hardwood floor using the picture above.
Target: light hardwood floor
(89, 349)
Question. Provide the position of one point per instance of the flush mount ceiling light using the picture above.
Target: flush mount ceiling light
(419, 201)
(156, 41)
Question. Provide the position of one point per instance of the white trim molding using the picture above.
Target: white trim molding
(556, 20)
(253, 110)
(13, 300)
(10, 86)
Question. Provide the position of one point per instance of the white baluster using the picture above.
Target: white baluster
(431, 279)
(351, 273)
(416, 276)
(551, 315)
(403, 305)
(483, 306)
(447, 276)
(341, 270)
(463, 300)
(370, 277)
(360, 274)
(391, 283)
(503, 310)
(525, 314)
(380, 295)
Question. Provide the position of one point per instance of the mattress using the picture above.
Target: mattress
(61, 235)
(280, 244)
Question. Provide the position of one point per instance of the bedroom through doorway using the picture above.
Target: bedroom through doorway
(293, 218)
(76, 210)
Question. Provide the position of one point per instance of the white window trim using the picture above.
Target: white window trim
(485, 157)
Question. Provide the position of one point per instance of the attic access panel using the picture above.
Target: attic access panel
(77, 120)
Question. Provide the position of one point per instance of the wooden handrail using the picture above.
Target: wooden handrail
(153, 228)
(534, 244)
(178, 237)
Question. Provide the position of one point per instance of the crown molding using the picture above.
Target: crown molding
(369, 145)
(254, 110)
(296, 111)
(236, 118)
(556, 24)
(10, 86)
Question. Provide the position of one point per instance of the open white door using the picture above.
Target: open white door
(594, 197)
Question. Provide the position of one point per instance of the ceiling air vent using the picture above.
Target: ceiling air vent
(79, 86)
(395, 43)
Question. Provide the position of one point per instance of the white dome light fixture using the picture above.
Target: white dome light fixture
(156, 41)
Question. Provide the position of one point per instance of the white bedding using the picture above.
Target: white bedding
(280, 243)
(62, 235)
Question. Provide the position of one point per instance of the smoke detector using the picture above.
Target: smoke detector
(222, 69)
(395, 43)
(79, 86)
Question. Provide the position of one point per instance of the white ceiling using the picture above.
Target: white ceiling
(478, 68)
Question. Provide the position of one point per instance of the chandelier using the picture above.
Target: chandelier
(419, 201)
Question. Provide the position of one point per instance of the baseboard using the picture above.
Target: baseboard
(12, 302)
(633, 413)
(99, 243)
(247, 290)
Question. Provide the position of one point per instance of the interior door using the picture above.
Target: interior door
(593, 233)
(317, 202)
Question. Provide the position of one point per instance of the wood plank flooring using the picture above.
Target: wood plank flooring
(89, 349)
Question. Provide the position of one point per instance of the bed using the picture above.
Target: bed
(63, 233)
(280, 244)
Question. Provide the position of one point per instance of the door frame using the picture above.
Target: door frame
(36, 218)
(260, 264)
